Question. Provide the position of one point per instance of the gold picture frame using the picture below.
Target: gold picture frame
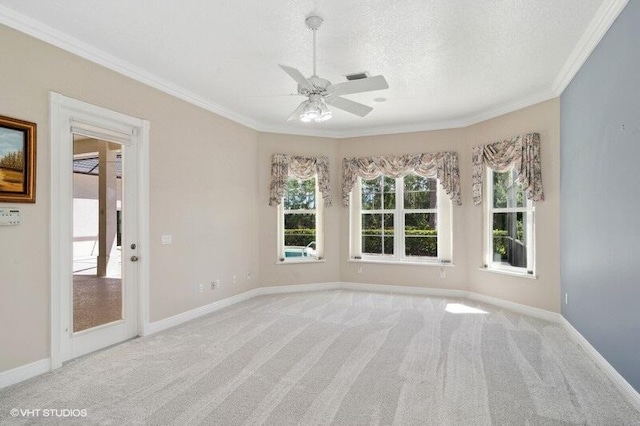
(17, 161)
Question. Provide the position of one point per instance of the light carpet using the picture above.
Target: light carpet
(336, 357)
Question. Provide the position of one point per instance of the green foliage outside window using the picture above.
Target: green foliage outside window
(509, 227)
(300, 227)
(420, 228)
(499, 241)
(379, 193)
(300, 194)
(507, 191)
(299, 237)
(418, 242)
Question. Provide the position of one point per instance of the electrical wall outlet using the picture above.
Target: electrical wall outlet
(249, 276)
(234, 279)
(359, 269)
(201, 287)
(215, 284)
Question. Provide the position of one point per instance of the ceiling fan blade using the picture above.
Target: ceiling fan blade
(297, 76)
(350, 106)
(277, 95)
(296, 112)
(358, 86)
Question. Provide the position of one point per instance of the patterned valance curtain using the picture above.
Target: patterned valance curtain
(522, 152)
(443, 165)
(283, 166)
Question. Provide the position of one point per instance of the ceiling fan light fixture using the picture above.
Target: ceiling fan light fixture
(315, 109)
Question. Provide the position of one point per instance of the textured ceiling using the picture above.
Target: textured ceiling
(448, 62)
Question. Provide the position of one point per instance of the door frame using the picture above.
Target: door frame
(64, 111)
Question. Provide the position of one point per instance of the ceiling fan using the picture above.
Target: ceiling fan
(320, 92)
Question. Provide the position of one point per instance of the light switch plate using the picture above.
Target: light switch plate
(9, 216)
(166, 240)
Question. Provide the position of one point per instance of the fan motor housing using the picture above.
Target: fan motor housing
(320, 86)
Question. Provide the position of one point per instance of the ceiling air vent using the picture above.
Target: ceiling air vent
(357, 76)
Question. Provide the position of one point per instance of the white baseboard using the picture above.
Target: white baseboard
(419, 291)
(621, 384)
(516, 307)
(24, 372)
(166, 323)
(298, 288)
(460, 294)
(154, 327)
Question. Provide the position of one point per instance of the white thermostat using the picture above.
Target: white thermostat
(9, 216)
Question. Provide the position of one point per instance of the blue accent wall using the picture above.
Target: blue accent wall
(600, 197)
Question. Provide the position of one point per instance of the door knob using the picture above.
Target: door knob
(134, 258)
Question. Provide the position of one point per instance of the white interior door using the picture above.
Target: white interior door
(103, 290)
(124, 137)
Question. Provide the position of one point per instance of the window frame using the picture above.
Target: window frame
(443, 211)
(489, 210)
(319, 221)
(382, 211)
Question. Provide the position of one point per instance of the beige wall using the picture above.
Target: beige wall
(220, 219)
(196, 193)
(544, 292)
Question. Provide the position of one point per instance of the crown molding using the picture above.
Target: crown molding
(467, 121)
(598, 27)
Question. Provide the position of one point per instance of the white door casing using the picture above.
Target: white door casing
(70, 116)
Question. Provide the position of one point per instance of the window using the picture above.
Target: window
(510, 224)
(300, 221)
(404, 219)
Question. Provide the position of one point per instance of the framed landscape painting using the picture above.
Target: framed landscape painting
(17, 161)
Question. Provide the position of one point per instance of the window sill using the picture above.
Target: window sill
(511, 273)
(402, 262)
(297, 262)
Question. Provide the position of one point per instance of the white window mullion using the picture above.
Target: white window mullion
(281, 213)
(319, 212)
(398, 219)
(443, 218)
(509, 210)
(355, 219)
(530, 238)
(488, 234)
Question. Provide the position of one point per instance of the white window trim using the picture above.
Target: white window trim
(444, 212)
(432, 262)
(528, 271)
(319, 212)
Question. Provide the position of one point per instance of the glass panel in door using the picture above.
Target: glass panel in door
(97, 225)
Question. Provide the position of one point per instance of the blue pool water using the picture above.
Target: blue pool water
(298, 251)
(295, 252)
